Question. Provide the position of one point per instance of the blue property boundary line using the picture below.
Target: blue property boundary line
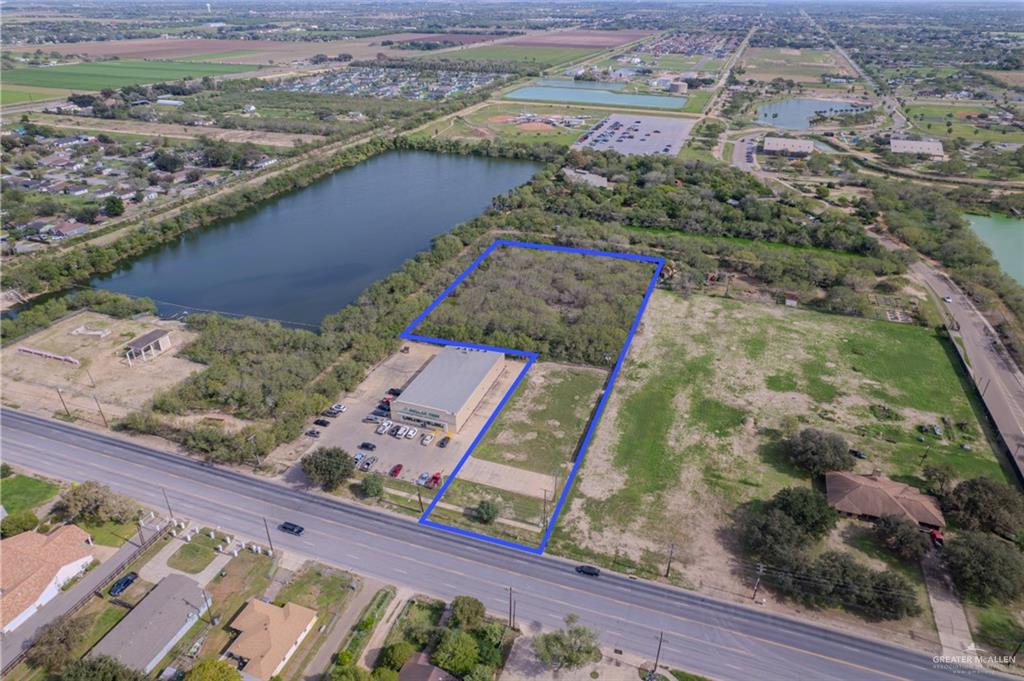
(531, 357)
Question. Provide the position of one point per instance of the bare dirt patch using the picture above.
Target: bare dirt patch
(501, 119)
(536, 127)
(31, 382)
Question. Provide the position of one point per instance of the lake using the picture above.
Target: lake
(310, 253)
(572, 92)
(1005, 236)
(796, 114)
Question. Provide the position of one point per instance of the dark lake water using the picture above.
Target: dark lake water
(308, 254)
(796, 113)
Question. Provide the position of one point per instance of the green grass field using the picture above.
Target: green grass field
(542, 424)
(696, 101)
(194, 556)
(20, 94)
(110, 534)
(545, 56)
(949, 121)
(766, 63)
(318, 588)
(24, 493)
(114, 74)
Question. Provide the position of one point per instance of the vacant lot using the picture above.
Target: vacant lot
(113, 74)
(529, 123)
(542, 56)
(20, 94)
(24, 493)
(694, 426)
(767, 63)
(32, 382)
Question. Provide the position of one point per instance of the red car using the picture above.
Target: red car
(434, 481)
(395, 470)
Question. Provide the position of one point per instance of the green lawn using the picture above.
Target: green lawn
(544, 56)
(194, 556)
(696, 101)
(541, 426)
(514, 506)
(11, 94)
(24, 493)
(999, 626)
(932, 119)
(317, 587)
(111, 534)
(114, 74)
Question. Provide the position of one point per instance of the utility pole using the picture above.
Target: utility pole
(545, 516)
(65, 404)
(757, 583)
(671, 554)
(1015, 651)
(509, 607)
(657, 658)
(270, 541)
(168, 502)
(100, 410)
(419, 496)
(91, 379)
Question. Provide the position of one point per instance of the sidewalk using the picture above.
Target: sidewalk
(21, 638)
(950, 619)
(157, 568)
(320, 665)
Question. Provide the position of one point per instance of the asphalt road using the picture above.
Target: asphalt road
(718, 639)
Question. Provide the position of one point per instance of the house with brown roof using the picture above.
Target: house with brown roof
(418, 668)
(35, 567)
(268, 636)
(874, 496)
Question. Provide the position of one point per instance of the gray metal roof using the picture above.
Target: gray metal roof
(147, 339)
(450, 378)
(157, 621)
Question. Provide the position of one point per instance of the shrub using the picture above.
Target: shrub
(985, 567)
(372, 486)
(396, 655)
(467, 612)
(328, 467)
(19, 522)
(903, 537)
(456, 652)
(487, 511)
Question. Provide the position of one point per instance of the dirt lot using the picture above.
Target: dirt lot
(31, 382)
(580, 39)
(235, 51)
(273, 139)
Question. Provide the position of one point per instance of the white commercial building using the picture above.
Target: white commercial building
(931, 148)
(448, 389)
(782, 145)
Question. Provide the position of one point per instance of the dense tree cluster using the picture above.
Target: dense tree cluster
(987, 505)
(781, 533)
(328, 467)
(985, 567)
(96, 503)
(565, 306)
(571, 647)
(819, 451)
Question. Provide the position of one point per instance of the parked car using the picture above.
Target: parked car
(372, 419)
(340, 408)
(387, 424)
(947, 299)
(330, 413)
(427, 439)
(434, 481)
(381, 413)
(368, 446)
(313, 433)
(411, 433)
(121, 585)
(422, 480)
(359, 456)
(588, 570)
(395, 471)
(323, 423)
(444, 442)
(367, 463)
(381, 429)
(394, 392)
(402, 430)
(292, 528)
(856, 453)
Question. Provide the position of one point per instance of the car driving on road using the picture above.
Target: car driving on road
(292, 528)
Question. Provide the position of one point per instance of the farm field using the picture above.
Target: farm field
(543, 56)
(20, 94)
(767, 63)
(242, 51)
(695, 425)
(114, 74)
(932, 119)
(580, 38)
(1011, 78)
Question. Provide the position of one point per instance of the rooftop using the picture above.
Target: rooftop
(785, 144)
(147, 339)
(157, 621)
(268, 633)
(927, 147)
(31, 562)
(875, 496)
(450, 378)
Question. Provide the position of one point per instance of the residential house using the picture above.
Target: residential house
(418, 668)
(874, 496)
(268, 636)
(35, 568)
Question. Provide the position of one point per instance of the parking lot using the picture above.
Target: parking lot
(348, 430)
(638, 135)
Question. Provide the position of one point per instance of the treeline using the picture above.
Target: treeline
(43, 314)
(661, 192)
(568, 307)
(933, 223)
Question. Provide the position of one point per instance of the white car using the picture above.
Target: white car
(411, 433)
(402, 430)
(427, 439)
(948, 299)
(387, 424)
(339, 407)
(381, 429)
